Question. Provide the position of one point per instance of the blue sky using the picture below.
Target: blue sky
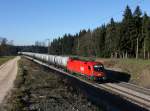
(25, 21)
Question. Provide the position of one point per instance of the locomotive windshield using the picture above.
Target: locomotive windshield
(98, 68)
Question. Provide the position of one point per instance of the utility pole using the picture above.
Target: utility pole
(62, 48)
(137, 48)
(78, 45)
(48, 45)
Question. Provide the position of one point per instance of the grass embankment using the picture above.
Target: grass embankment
(37, 88)
(138, 69)
(3, 59)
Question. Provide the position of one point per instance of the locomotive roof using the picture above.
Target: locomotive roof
(83, 59)
(92, 62)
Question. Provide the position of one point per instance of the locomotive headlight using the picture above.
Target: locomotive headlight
(99, 74)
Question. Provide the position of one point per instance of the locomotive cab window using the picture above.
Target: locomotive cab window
(89, 67)
(98, 68)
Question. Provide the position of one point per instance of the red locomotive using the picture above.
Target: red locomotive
(91, 69)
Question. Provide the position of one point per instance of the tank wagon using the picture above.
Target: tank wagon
(91, 69)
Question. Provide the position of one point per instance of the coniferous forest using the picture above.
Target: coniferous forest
(129, 38)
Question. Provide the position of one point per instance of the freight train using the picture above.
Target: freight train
(91, 69)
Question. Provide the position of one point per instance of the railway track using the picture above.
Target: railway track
(135, 95)
(139, 98)
(135, 88)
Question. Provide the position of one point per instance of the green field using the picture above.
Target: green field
(5, 58)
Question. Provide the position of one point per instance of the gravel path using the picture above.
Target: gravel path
(8, 72)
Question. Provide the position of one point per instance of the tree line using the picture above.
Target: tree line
(7, 48)
(128, 38)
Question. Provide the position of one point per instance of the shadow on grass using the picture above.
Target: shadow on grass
(116, 76)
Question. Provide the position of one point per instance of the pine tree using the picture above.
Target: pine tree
(138, 27)
(127, 32)
(111, 38)
(147, 38)
(144, 33)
